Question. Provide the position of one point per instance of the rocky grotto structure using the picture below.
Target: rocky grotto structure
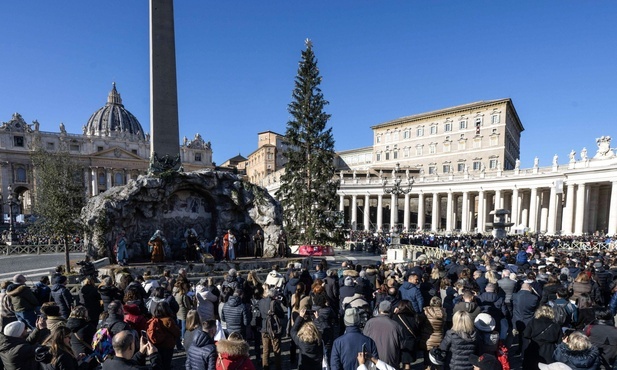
(210, 202)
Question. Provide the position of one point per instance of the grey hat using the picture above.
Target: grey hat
(232, 272)
(385, 306)
(348, 281)
(351, 317)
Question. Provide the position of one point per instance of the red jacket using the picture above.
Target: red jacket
(163, 332)
(233, 355)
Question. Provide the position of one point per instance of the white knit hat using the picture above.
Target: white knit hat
(14, 329)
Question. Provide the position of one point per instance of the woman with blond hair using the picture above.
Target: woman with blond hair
(307, 338)
(543, 335)
(460, 342)
(577, 352)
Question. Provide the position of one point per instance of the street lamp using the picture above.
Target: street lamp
(396, 187)
(11, 202)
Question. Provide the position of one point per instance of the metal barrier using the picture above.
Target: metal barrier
(39, 249)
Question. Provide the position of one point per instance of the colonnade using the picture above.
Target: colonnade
(556, 207)
(94, 186)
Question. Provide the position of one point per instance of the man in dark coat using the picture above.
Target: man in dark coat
(23, 300)
(524, 304)
(62, 296)
(17, 348)
(410, 291)
(126, 358)
(332, 289)
(202, 353)
(346, 347)
(270, 343)
(603, 334)
(236, 314)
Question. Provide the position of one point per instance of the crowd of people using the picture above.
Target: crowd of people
(491, 304)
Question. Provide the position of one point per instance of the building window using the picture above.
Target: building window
(419, 150)
(395, 136)
(99, 148)
(493, 163)
(446, 168)
(420, 131)
(494, 119)
(406, 134)
(433, 129)
(20, 174)
(74, 147)
(447, 127)
(197, 157)
(477, 143)
(432, 148)
(378, 157)
(432, 170)
(18, 141)
(378, 138)
(102, 180)
(395, 154)
(118, 179)
(447, 147)
(460, 167)
(477, 165)
(387, 156)
(462, 125)
(462, 145)
(387, 137)
(134, 151)
(494, 140)
(478, 125)
(406, 152)
(50, 146)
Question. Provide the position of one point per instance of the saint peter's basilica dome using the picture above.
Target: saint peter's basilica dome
(114, 120)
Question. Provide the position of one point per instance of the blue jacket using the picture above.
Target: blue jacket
(346, 348)
(202, 353)
(613, 304)
(412, 293)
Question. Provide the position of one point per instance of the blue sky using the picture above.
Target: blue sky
(380, 60)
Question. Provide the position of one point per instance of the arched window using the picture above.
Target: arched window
(118, 178)
(20, 174)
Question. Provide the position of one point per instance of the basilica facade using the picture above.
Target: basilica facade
(112, 149)
(449, 170)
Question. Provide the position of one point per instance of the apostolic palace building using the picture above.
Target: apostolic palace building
(112, 149)
(447, 171)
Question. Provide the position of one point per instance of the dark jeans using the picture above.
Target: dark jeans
(27, 317)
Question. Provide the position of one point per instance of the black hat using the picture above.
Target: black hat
(485, 362)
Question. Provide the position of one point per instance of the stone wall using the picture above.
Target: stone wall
(210, 202)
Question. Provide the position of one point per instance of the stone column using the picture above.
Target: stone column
(568, 212)
(354, 212)
(544, 209)
(612, 212)
(498, 199)
(481, 211)
(379, 211)
(406, 213)
(533, 210)
(449, 212)
(341, 203)
(435, 219)
(525, 203)
(367, 213)
(95, 181)
(164, 131)
(514, 209)
(552, 211)
(421, 214)
(393, 210)
(465, 213)
(108, 173)
(579, 218)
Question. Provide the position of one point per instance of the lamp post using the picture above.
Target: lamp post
(397, 189)
(10, 202)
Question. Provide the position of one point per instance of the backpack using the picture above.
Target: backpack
(101, 344)
(273, 323)
(563, 313)
(521, 258)
(256, 313)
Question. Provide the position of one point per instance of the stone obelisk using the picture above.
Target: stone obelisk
(164, 132)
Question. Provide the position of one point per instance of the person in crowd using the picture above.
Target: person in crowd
(258, 244)
(387, 334)
(185, 304)
(134, 317)
(202, 355)
(23, 301)
(109, 292)
(308, 340)
(7, 314)
(90, 298)
(468, 304)
(578, 352)
(432, 325)
(229, 246)
(524, 305)
(346, 347)
(61, 355)
(602, 333)
(236, 314)
(274, 278)
(407, 319)
(192, 323)
(460, 342)
(207, 295)
(319, 272)
(42, 291)
(18, 346)
(160, 294)
(233, 353)
(115, 318)
(410, 291)
(157, 246)
(82, 330)
(163, 332)
(122, 253)
(270, 304)
(583, 284)
(365, 358)
(543, 334)
(586, 310)
(62, 296)
(51, 312)
(149, 284)
(488, 337)
(491, 302)
(549, 291)
(126, 358)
